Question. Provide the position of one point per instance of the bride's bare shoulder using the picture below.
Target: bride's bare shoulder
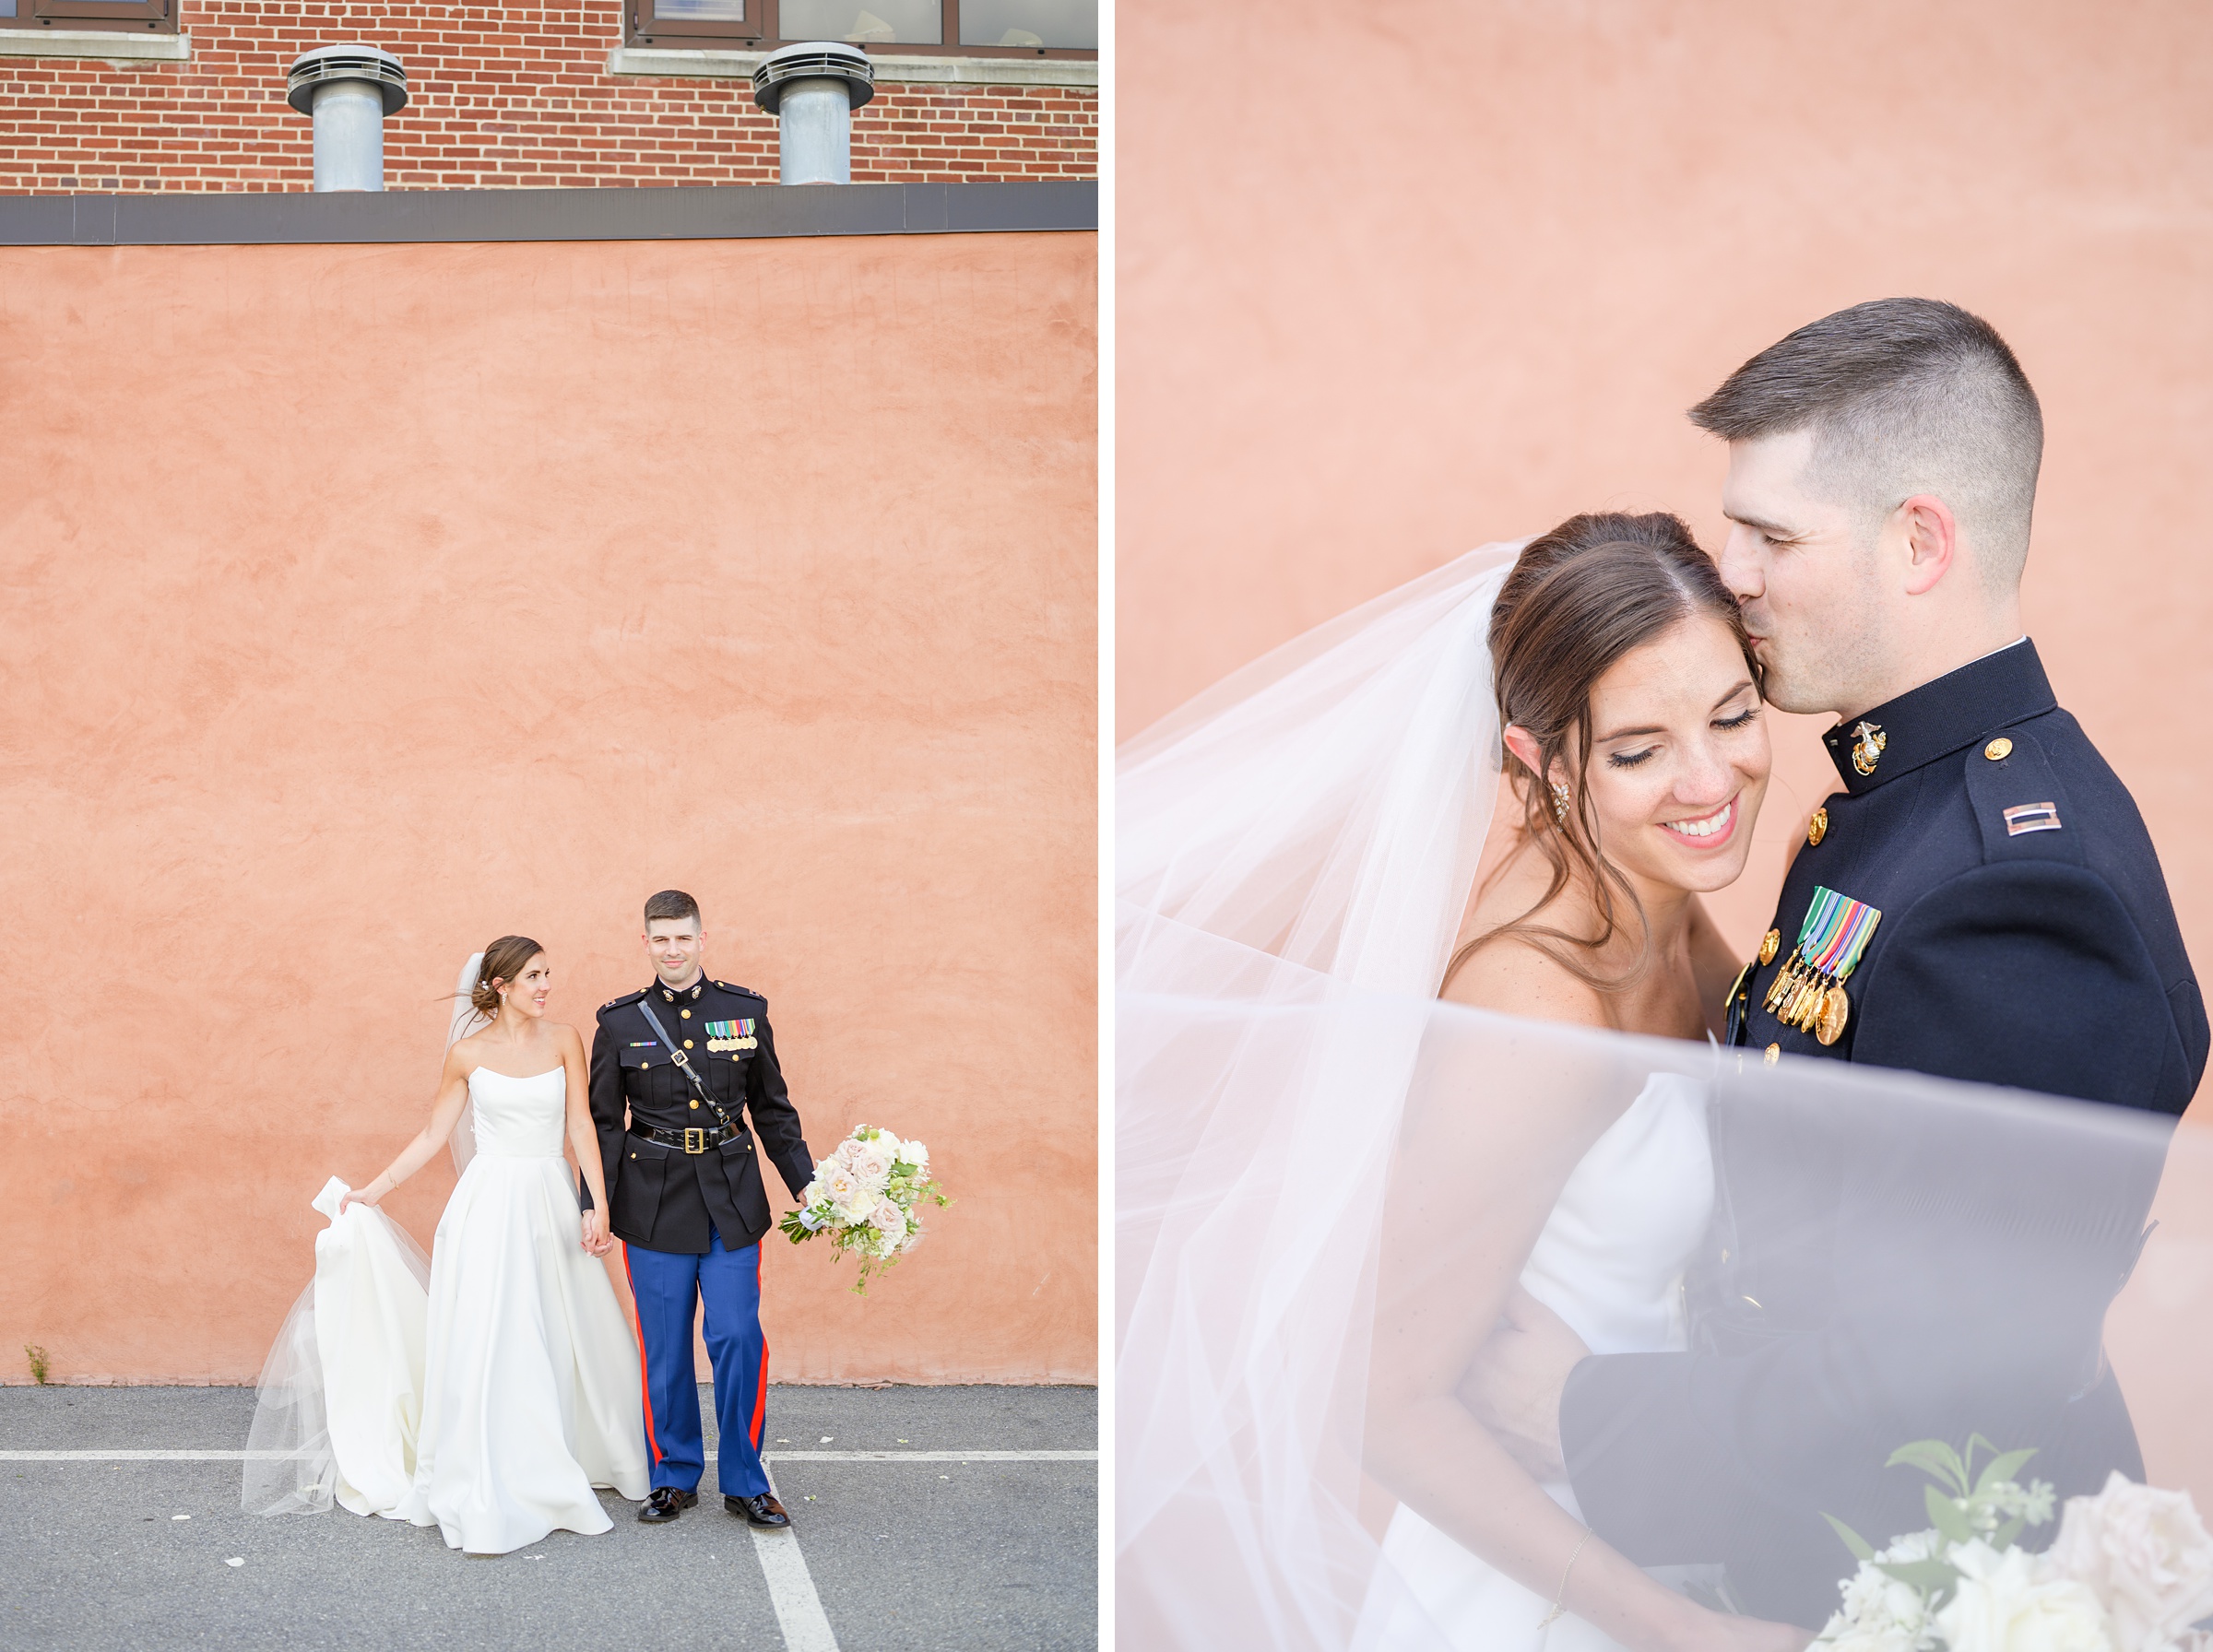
(1514, 976)
(1511, 974)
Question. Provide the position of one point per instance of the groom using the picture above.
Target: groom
(677, 1068)
(1979, 901)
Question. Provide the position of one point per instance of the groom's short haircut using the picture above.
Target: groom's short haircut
(1904, 396)
(672, 903)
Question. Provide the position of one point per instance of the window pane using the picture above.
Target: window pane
(699, 11)
(889, 22)
(1070, 23)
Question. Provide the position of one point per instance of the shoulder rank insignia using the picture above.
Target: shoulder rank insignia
(1867, 749)
(722, 1036)
(1808, 990)
(2031, 817)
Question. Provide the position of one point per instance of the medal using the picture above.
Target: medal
(1808, 991)
(1836, 1009)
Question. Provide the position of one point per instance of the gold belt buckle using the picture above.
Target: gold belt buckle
(695, 1139)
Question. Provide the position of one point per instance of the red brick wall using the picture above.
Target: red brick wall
(500, 96)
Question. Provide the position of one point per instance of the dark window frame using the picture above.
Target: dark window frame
(136, 16)
(640, 29)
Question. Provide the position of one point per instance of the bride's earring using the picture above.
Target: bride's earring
(1559, 802)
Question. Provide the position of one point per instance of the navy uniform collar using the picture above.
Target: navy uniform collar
(661, 993)
(1940, 717)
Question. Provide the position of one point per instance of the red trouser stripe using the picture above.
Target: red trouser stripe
(644, 1385)
(759, 1383)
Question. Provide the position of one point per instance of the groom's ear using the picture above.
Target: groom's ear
(1932, 541)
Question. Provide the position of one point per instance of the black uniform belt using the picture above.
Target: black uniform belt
(694, 1140)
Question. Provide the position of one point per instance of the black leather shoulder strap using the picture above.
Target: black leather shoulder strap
(684, 1063)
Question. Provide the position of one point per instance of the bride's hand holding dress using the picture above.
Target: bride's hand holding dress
(492, 1398)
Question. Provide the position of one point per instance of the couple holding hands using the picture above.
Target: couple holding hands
(488, 1391)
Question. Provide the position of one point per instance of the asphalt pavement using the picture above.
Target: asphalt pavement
(898, 1551)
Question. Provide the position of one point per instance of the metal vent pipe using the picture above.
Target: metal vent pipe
(347, 91)
(812, 88)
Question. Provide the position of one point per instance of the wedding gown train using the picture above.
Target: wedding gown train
(488, 1401)
(1609, 1262)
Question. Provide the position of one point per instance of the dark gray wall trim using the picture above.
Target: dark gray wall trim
(732, 213)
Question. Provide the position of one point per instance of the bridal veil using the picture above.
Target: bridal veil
(1296, 852)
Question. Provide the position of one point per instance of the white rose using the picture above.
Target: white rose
(859, 1209)
(2006, 1602)
(845, 1152)
(872, 1168)
(2145, 1553)
(889, 1220)
(838, 1184)
(915, 1154)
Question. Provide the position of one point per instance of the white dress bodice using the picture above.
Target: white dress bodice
(519, 1119)
(1610, 1260)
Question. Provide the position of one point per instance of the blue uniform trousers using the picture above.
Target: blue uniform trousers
(669, 1288)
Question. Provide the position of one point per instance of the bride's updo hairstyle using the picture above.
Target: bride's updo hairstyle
(503, 961)
(1576, 601)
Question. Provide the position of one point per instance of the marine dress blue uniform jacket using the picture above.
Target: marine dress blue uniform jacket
(1885, 1271)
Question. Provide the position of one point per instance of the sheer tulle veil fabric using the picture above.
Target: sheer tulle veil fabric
(1295, 850)
(467, 1019)
(361, 1257)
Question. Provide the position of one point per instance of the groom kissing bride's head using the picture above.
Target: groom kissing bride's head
(1882, 473)
(1304, 847)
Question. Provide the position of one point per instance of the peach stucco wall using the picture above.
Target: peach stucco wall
(363, 604)
(1393, 281)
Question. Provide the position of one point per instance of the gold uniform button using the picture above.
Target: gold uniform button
(1773, 1056)
(1817, 828)
(687, 1043)
(695, 1104)
(1768, 944)
(1999, 750)
(686, 1014)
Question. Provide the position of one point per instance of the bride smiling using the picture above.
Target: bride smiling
(525, 1394)
(1399, 1069)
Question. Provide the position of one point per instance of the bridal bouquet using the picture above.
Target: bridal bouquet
(867, 1196)
(2130, 1570)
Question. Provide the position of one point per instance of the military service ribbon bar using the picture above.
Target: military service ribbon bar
(1808, 991)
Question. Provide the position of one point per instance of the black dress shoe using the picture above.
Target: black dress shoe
(665, 1504)
(763, 1510)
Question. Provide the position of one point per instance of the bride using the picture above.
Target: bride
(514, 1390)
(1299, 853)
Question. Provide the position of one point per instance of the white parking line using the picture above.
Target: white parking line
(769, 1456)
(791, 1589)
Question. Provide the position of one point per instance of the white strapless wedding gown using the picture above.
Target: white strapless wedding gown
(1609, 1262)
(489, 1405)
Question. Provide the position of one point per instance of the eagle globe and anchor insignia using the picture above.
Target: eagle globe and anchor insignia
(1867, 747)
(1808, 991)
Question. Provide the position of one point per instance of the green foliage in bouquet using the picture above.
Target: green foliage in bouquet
(868, 1196)
(1964, 1507)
